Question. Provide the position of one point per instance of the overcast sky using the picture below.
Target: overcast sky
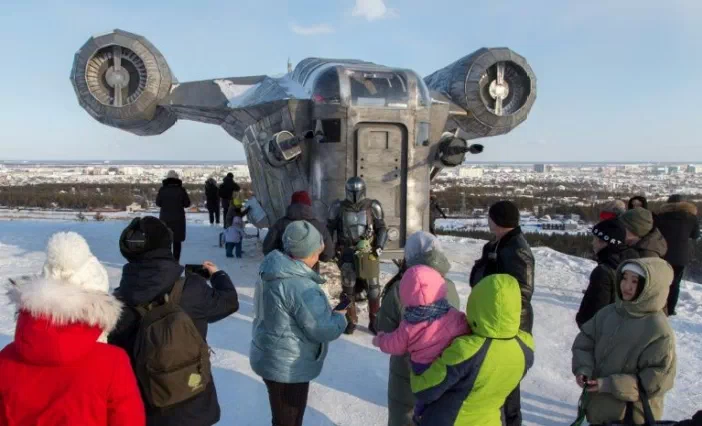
(618, 80)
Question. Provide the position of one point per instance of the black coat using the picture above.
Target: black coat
(274, 238)
(148, 280)
(510, 255)
(678, 223)
(212, 194)
(173, 199)
(228, 188)
(696, 420)
(603, 280)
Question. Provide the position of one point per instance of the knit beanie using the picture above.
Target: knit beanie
(419, 244)
(301, 197)
(676, 198)
(143, 235)
(69, 260)
(610, 231)
(505, 214)
(638, 221)
(172, 174)
(301, 239)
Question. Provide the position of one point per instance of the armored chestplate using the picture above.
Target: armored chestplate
(356, 226)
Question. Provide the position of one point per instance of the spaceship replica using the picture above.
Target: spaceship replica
(322, 123)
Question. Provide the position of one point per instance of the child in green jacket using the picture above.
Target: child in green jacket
(469, 383)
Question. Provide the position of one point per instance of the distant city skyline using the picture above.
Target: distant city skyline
(616, 80)
(239, 163)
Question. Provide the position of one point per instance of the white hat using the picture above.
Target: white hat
(172, 175)
(72, 287)
(69, 260)
(635, 268)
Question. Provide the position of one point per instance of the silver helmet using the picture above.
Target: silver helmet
(355, 189)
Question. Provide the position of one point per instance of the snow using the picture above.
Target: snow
(237, 94)
(352, 387)
(294, 89)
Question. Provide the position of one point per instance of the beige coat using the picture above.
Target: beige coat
(627, 338)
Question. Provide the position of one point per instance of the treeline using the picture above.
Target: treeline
(577, 245)
(463, 201)
(91, 196)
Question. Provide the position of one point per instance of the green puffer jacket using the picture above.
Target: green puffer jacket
(468, 384)
(400, 399)
(625, 339)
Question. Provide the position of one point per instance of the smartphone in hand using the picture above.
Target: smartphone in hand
(344, 302)
(199, 270)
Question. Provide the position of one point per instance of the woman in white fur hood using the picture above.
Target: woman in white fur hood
(58, 370)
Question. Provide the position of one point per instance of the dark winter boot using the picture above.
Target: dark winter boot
(351, 318)
(373, 308)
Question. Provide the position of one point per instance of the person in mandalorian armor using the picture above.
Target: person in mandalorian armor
(357, 224)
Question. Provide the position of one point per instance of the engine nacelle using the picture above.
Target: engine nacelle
(496, 87)
(119, 79)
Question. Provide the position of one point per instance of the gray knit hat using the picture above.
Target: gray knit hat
(301, 239)
(638, 221)
(418, 245)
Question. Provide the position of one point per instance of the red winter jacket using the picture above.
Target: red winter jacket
(59, 375)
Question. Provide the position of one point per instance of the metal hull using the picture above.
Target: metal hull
(322, 123)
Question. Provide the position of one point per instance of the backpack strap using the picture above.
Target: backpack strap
(175, 294)
(142, 310)
(643, 395)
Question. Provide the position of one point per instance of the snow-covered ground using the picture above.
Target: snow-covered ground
(10, 214)
(352, 387)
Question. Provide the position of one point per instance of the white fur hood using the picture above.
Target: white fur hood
(64, 303)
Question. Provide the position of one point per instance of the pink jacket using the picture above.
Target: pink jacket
(424, 341)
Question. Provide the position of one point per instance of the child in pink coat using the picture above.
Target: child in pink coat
(429, 324)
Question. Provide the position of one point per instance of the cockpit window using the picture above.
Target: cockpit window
(326, 88)
(378, 89)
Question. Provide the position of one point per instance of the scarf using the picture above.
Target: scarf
(417, 314)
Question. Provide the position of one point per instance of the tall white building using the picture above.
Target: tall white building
(470, 172)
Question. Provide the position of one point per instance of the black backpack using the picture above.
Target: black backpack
(171, 358)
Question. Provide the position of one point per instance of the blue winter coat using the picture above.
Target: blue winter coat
(293, 321)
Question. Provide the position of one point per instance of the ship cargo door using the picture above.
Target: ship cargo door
(381, 161)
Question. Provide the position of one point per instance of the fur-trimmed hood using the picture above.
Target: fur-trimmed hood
(57, 323)
(64, 304)
(683, 206)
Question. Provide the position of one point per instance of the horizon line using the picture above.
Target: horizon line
(244, 162)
